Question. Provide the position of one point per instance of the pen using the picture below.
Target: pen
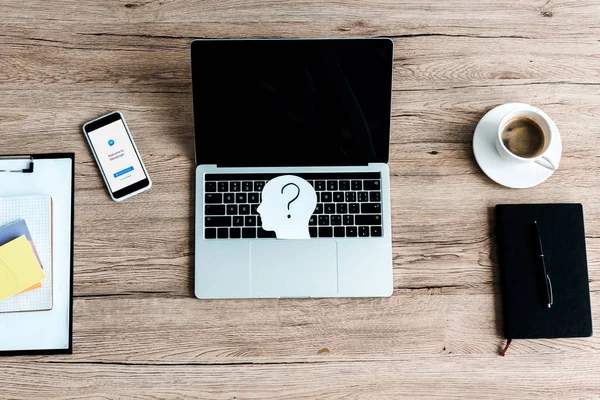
(546, 276)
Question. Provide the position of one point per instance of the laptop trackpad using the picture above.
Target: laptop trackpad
(293, 268)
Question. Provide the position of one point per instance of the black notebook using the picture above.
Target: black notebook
(525, 293)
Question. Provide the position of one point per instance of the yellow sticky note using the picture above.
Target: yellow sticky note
(19, 267)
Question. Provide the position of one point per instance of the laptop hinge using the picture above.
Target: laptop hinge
(362, 164)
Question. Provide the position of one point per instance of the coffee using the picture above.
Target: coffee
(523, 137)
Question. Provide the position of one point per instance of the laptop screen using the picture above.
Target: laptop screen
(292, 102)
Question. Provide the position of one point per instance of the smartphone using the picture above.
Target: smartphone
(117, 156)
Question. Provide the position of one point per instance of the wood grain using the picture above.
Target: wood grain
(138, 331)
(447, 377)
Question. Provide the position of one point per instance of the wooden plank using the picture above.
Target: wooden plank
(439, 377)
(156, 329)
(141, 62)
(539, 18)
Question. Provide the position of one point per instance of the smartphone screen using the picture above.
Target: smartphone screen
(116, 155)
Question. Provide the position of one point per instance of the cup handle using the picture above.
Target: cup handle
(546, 162)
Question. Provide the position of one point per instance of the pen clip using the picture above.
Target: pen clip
(550, 289)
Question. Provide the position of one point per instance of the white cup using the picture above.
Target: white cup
(544, 122)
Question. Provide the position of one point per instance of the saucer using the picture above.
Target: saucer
(506, 173)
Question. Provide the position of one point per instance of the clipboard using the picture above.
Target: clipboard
(50, 331)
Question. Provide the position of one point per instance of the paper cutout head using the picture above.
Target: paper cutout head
(287, 204)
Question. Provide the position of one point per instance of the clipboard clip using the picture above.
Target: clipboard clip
(23, 164)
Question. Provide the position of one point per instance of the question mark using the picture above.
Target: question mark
(292, 200)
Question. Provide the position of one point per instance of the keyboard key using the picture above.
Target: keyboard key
(374, 196)
(223, 186)
(222, 233)
(244, 209)
(210, 186)
(247, 186)
(356, 185)
(253, 198)
(363, 231)
(351, 231)
(248, 233)
(350, 197)
(323, 219)
(319, 209)
(217, 221)
(325, 197)
(241, 198)
(235, 186)
(210, 233)
(250, 220)
(354, 208)
(363, 196)
(341, 208)
(319, 185)
(258, 221)
(211, 198)
(259, 185)
(348, 219)
(332, 185)
(312, 183)
(312, 220)
(339, 231)
(336, 220)
(232, 209)
(367, 219)
(329, 208)
(325, 231)
(318, 197)
(370, 208)
(254, 209)
(371, 185)
(313, 232)
(238, 221)
(344, 185)
(376, 231)
(265, 234)
(338, 197)
(214, 209)
(228, 198)
(235, 233)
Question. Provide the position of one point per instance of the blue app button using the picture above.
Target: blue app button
(111, 142)
(123, 171)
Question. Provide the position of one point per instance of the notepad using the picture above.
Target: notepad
(524, 293)
(36, 210)
(11, 232)
(19, 267)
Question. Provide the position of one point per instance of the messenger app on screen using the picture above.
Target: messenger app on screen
(116, 155)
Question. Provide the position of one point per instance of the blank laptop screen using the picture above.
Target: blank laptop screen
(292, 102)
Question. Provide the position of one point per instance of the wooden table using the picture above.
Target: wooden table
(138, 330)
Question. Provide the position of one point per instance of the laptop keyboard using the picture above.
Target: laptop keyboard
(348, 205)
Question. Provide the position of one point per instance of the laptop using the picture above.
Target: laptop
(292, 143)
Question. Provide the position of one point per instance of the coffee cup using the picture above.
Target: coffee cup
(524, 136)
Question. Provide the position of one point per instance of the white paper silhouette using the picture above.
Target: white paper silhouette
(287, 204)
